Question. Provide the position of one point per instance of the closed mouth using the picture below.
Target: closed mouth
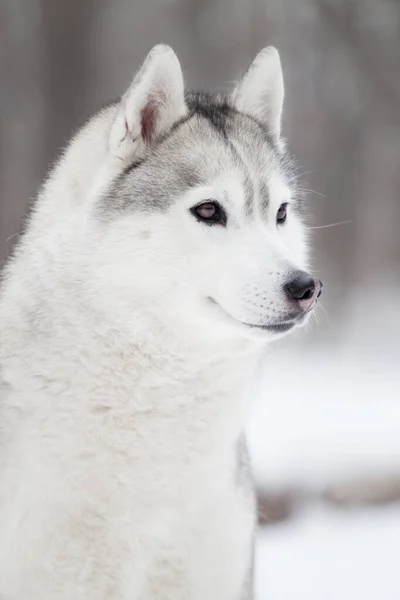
(272, 328)
(276, 328)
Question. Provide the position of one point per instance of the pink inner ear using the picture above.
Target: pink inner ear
(150, 114)
(148, 118)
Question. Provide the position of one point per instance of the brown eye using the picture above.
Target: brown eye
(209, 212)
(281, 215)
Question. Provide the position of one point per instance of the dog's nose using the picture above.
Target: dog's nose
(304, 289)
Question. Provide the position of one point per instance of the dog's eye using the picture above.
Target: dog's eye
(281, 215)
(210, 212)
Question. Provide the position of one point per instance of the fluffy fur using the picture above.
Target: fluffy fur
(129, 334)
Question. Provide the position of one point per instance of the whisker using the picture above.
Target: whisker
(303, 174)
(331, 225)
(313, 192)
(298, 176)
(317, 320)
(325, 312)
(12, 236)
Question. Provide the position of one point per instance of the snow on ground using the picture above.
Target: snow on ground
(323, 416)
(331, 555)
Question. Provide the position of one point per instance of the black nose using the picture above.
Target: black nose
(302, 287)
(305, 290)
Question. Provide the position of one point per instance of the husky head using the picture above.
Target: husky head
(191, 205)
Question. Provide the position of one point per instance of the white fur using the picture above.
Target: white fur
(124, 392)
(153, 103)
(261, 91)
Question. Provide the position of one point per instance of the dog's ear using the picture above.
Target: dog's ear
(152, 104)
(260, 93)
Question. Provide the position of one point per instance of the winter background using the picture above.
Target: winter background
(325, 430)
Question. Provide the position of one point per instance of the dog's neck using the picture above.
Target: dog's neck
(71, 355)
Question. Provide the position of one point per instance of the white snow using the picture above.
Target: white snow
(331, 555)
(323, 416)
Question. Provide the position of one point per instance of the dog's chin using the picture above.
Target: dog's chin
(261, 331)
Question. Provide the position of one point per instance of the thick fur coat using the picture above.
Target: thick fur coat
(131, 327)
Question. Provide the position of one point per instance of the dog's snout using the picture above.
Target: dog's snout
(304, 290)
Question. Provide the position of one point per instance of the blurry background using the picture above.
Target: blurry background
(325, 433)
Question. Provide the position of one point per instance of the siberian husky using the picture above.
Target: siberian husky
(165, 250)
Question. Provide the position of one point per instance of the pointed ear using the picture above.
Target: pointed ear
(260, 93)
(152, 104)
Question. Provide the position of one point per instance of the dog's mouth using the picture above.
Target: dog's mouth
(278, 328)
(275, 327)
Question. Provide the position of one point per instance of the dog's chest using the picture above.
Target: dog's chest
(199, 546)
(154, 497)
(189, 517)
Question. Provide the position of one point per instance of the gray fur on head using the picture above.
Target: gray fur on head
(175, 131)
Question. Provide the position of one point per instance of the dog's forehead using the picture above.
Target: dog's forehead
(214, 142)
(223, 138)
(214, 139)
(199, 145)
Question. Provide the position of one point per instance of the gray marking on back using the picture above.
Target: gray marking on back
(245, 482)
(247, 591)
